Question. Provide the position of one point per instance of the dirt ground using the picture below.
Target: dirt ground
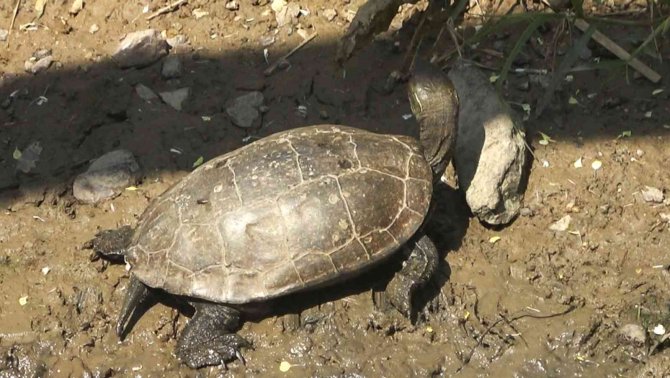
(519, 301)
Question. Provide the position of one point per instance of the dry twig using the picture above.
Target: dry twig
(467, 358)
(273, 67)
(166, 9)
(622, 54)
(11, 25)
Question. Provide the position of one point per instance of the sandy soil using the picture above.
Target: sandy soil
(534, 303)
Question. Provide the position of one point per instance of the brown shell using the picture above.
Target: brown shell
(299, 208)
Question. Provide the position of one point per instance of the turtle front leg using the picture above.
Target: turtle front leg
(416, 271)
(208, 338)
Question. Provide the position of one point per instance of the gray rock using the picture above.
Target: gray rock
(172, 67)
(244, 110)
(145, 92)
(490, 155)
(651, 194)
(35, 66)
(287, 14)
(633, 334)
(140, 49)
(329, 14)
(175, 98)
(42, 53)
(106, 177)
(4, 33)
(177, 41)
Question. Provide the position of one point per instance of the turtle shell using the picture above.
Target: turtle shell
(297, 209)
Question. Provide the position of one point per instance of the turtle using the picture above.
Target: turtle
(298, 210)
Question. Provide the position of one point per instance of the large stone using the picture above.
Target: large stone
(140, 49)
(244, 110)
(490, 157)
(106, 177)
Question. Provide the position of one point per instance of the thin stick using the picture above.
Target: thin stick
(273, 67)
(167, 8)
(11, 25)
(467, 358)
(622, 54)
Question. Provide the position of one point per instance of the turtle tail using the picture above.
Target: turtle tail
(112, 244)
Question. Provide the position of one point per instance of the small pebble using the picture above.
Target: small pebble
(36, 66)
(244, 110)
(93, 29)
(267, 40)
(172, 67)
(526, 212)
(561, 225)
(140, 49)
(232, 5)
(176, 98)
(329, 14)
(145, 92)
(651, 194)
(633, 334)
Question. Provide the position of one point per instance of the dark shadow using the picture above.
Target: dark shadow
(93, 108)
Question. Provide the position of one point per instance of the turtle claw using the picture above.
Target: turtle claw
(240, 357)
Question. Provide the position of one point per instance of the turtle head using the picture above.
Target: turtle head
(112, 244)
(434, 103)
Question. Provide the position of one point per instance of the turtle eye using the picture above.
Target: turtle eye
(415, 103)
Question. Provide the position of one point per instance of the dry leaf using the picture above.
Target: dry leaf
(659, 330)
(39, 7)
(596, 165)
(284, 366)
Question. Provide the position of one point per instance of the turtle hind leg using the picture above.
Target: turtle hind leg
(417, 270)
(208, 338)
(139, 298)
(111, 244)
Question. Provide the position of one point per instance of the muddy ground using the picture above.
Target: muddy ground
(533, 303)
